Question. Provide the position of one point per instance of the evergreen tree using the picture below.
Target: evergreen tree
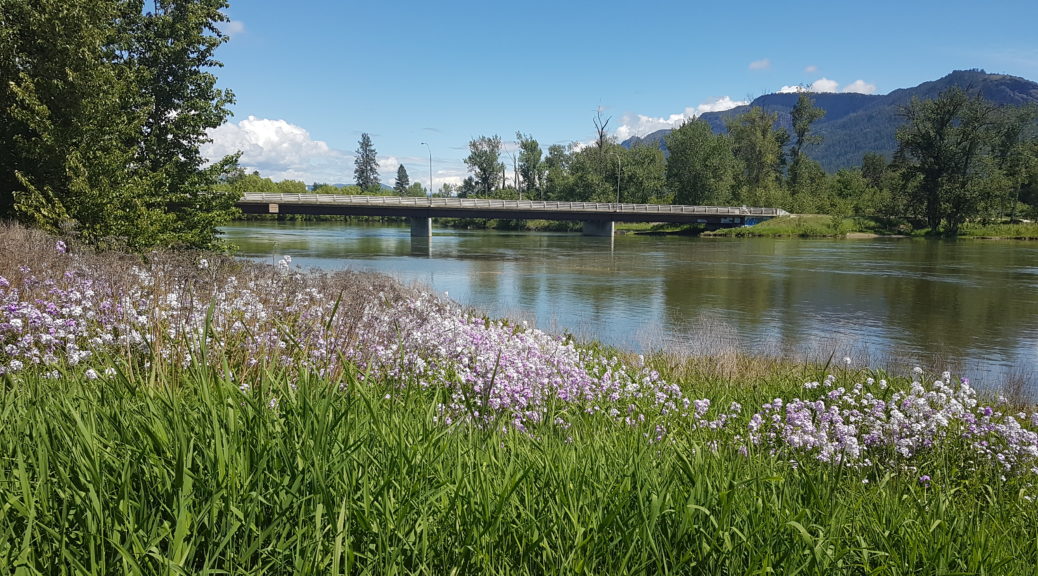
(402, 181)
(365, 171)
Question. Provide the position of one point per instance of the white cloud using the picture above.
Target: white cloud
(280, 150)
(860, 86)
(760, 64)
(234, 28)
(720, 105)
(824, 85)
(640, 124)
(827, 85)
(811, 69)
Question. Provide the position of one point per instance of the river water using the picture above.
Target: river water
(968, 306)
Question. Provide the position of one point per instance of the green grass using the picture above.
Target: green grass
(183, 473)
(810, 226)
(1019, 231)
(823, 226)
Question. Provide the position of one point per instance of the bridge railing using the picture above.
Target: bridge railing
(492, 203)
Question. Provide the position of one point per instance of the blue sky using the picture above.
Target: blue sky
(310, 76)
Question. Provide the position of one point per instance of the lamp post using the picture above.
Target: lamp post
(617, 176)
(426, 144)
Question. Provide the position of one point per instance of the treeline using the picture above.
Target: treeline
(959, 158)
(103, 107)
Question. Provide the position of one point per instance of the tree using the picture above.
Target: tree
(174, 53)
(601, 135)
(803, 115)
(530, 168)
(593, 174)
(643, 175)
(402, 181)
(757, 146)
(701, 166)
(365, 165)
(873, 169)
(1011, 145)
(556, 172)
(484, 161)
(806, 177)
(941, 145)
(468, 188)
(106, 107)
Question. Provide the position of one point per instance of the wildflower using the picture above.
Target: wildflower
(203, 264)
(847, 361)
(91, 374)
(924, 480)
(60, 247)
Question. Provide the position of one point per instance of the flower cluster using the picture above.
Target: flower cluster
(492, 373)
(870, 423)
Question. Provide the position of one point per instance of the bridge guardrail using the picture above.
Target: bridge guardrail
(491, 203)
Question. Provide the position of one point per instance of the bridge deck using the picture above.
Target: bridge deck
(262, 203)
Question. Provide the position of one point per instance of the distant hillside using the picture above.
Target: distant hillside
(855, 124)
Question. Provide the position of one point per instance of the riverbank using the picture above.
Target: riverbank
(822, 226)
(195, 411)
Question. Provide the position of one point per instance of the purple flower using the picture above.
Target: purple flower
(925, 480)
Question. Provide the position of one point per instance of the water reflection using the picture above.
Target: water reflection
(973, 303)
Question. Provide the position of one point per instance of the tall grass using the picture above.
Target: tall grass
(114, 476)
(221, 418)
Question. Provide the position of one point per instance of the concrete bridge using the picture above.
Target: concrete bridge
(598, 218)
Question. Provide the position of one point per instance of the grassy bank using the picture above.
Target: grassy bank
(814, 226)
(194, 414)
(822, 226)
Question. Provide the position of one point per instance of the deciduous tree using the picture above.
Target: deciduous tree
(105, 108)
(531, 168)
(701, 166)
(758, 146)
(942, 145)
(484, 161)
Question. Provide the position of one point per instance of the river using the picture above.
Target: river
(969, 306)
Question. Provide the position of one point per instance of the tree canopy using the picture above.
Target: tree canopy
(365, 165)
(403, 182)
(103, 108)
(484, 161)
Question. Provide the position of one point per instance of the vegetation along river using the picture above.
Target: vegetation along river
(967, 306)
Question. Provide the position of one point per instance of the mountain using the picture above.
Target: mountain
(855, 124)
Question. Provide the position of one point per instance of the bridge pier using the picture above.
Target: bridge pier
(421, 227)
(599, 228)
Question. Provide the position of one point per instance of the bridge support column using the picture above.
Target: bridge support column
(598, 228)
(421, 227)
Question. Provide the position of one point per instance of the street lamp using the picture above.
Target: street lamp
(426, 144)
(617, 176)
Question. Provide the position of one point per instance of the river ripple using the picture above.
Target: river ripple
(968, 306)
